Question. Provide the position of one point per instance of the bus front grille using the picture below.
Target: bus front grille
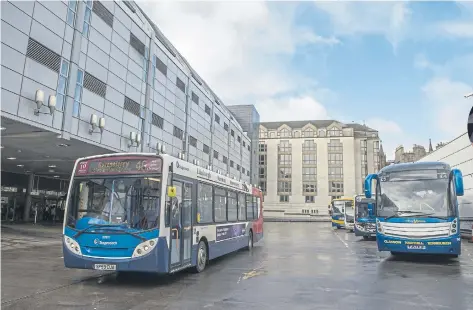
(417, 230)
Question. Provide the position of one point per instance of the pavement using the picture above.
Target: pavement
(297, 266)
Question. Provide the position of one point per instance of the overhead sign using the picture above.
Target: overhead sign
(119, 165)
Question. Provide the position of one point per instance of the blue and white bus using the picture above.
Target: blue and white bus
(365, 220)
(416, 208)
(155, 213)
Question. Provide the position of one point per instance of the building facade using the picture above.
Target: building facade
(107, 60)
(303, 165)
(458, 153)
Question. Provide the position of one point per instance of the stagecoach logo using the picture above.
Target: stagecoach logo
(415, 221)
(100, 242)
(180, 166)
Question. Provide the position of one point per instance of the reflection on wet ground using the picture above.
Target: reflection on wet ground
(297, 266)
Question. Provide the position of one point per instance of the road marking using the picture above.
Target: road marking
(344, 242)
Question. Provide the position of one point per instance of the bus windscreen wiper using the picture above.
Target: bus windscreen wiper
(126, 232)
(396, 214)
(80, 232)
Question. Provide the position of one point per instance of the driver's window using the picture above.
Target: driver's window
(452, 195)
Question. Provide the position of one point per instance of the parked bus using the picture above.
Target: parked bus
(417, 208)
(341, 217)
(365, 220)
(155, 213)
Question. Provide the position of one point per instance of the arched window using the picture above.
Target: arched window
(285, 133)
(308, 133)
(334, 132)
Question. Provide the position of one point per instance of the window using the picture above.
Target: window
(308, 133)
(250, 202)
(262, 184)
(241, 207)
(309, 173)
(195, 98)
(178, 133)
(262, 160)
(262, 172)
(71, 12)
(232, 207)
(87, 14)
(335, 159)
(309, 146)
(309, 187)
(244, 144)
(225, 160)
(285, 146)
(164, 70)
(336, 187)
(220, 205)
(335, 146)
(283, 198)
(204, 203)
(103, 13)
(334, 132)
(232, 133)
(95, 85)
(225, 126)
(263, 147)
(284, 186)
(206, 149)
(215, 154)
(239, 139)
(285, 172)
(78, 93)
(180, 84)
(263, 134)
(309, 159)
(192, 141)
(217, 118)
(243, 170)
(62, 85)
(231, 163)
(157, 120)
(207, 109)
(309, 199)
(238, 167)
(335, 172)
(285, 133)
(284, 159)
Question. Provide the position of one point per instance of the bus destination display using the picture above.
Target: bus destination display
(413, 175)
(120, 165)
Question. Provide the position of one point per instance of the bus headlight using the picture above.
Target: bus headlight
(454, 227)
(145, 247)
(379, 226)
(72, 245)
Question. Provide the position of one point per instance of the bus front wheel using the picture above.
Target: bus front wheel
(202, 257)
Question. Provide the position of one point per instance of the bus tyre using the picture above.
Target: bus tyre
(250, 240)
(202, 257)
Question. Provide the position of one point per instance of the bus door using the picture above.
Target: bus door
(181, 224)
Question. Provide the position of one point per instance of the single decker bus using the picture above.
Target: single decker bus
(416, 208)
(365, 220)
(341, 217)
(155, 213)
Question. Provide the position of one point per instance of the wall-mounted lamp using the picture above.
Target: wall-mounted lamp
(39, 99)
(181, 155)
(135, 139)
(160, 148)
(95, 122)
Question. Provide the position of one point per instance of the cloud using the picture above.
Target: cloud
(390, 19)
(243, 50)
(462, 28)
(291, 109)
(446, 102)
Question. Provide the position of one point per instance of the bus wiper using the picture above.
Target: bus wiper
(80, 232)
(129, 233)
(397, 213)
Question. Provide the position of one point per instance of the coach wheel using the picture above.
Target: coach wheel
(201, 257)
(250, 240)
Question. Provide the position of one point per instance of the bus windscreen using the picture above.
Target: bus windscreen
(119, 165)
(414, 175)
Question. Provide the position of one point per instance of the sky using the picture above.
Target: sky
(402, 68)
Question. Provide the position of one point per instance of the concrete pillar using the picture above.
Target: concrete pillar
(29, 189)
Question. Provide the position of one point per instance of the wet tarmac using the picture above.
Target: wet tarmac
(297, 266)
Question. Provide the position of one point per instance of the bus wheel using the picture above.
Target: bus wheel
(453, 255)
(201, 257)
(250, 240)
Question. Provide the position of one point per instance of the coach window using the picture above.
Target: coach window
(220, 205)
(241, 207)
(232, 206)
(204, 204)
(249, 207)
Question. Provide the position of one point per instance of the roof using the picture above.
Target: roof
(416, 166)
(316, 123)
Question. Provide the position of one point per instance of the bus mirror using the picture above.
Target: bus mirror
(458, 179)
(171, 191)
(368, 181)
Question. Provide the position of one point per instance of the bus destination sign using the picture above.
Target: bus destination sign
(119, 165)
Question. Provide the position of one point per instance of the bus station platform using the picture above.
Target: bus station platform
(297, 266)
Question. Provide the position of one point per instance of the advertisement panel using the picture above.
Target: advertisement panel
(230, 231)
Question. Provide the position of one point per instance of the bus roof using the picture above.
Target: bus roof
(416, 166)
(343, 199)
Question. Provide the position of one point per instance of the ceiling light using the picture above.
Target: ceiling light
(11, 158)
(19, 151)
(56, 176)
(27, 171)
(52, 166)
(20, 166)
(63, 145)
(3, 128)
(51, 170)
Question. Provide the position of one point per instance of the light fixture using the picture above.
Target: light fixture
(52, 166)
(3, 128)
(94, 122)
(51, 170)
(56, 176)
(11, 158)
(2, 146)
(20, 166)
(62, 145)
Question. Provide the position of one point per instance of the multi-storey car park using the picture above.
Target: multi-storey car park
(81, 78)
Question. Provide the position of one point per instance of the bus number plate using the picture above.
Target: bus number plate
(416, 247)
(105, 267)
